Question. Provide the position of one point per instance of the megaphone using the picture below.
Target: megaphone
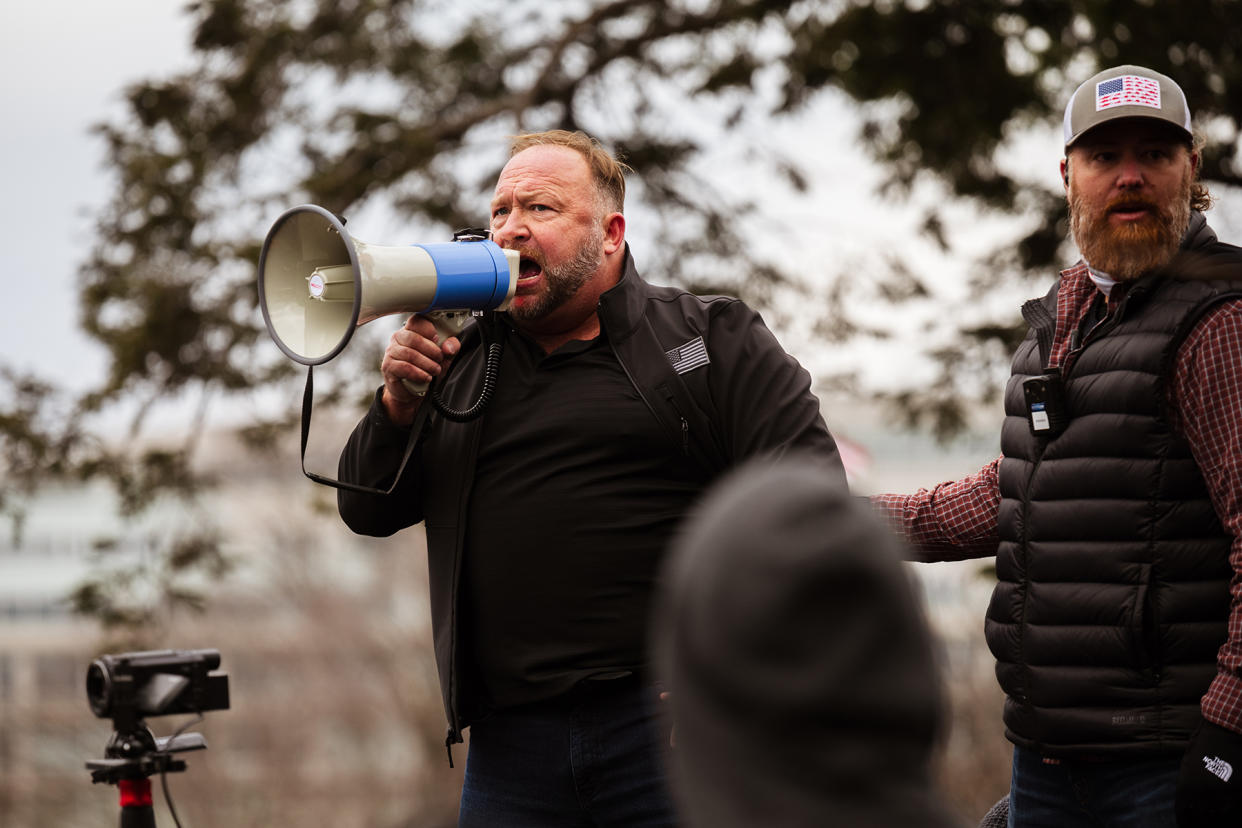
(317, 284)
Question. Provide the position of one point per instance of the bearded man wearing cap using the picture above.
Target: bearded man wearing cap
(1115, 510)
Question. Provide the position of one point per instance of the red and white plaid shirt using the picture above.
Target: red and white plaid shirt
(957, 520)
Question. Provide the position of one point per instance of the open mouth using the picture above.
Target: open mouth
(1131, 210)
(528, 268)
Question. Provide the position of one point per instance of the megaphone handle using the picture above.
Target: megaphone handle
(448, 323)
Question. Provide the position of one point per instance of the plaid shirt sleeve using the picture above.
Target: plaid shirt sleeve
(949, 522)
(1206, 400)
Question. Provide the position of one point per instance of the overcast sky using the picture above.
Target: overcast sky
(64, 65)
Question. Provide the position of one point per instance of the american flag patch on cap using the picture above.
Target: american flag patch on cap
(687, 357)
(1127, 90)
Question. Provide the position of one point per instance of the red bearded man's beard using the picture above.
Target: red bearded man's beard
(1128, 251)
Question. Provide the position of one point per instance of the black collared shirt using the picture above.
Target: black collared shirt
(576, 494)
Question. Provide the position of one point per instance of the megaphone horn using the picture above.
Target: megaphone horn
(317, 284)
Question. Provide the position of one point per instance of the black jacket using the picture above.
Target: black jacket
(1113, 571)
(750, 399)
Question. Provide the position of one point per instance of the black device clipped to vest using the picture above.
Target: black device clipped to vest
(1046, 412)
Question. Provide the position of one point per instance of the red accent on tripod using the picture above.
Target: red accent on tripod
(135, 793)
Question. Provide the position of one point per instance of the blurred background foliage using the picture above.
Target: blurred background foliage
(401, 109)
(401, 105)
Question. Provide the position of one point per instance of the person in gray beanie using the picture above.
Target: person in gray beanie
(802, 684)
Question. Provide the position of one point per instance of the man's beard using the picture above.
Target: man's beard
(561, 281)
(1135, 248)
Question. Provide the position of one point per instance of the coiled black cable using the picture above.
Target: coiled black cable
(494, 352)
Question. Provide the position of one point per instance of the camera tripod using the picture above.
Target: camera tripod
(131, 759)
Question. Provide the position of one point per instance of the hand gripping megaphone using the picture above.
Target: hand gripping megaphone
(317, 284)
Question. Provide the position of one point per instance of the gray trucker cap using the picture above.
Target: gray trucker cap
(1125, 92)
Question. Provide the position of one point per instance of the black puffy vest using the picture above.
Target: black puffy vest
(1113, 573)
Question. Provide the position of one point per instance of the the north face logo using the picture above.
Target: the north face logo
(1218, 767)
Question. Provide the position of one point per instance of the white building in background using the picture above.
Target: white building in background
(44, 647)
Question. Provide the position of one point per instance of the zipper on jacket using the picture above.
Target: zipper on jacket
(1024, 585)
(685, 424)
(668, 395)
(454, 700)
(1043, 324)
(1077, 342)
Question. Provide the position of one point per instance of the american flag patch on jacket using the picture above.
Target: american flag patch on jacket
(687, 357)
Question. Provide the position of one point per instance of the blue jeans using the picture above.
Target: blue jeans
(1129, 793)
(593, 757)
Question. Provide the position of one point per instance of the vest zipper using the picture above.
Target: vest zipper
(1101, 328)
(1024, 549)
(1043, 324)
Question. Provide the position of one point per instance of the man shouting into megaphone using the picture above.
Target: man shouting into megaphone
(616, 404)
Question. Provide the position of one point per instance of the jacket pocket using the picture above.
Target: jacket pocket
(1143, 627)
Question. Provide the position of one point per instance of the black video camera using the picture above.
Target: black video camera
(130, 686)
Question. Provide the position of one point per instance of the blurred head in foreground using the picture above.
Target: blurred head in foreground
(803, 685)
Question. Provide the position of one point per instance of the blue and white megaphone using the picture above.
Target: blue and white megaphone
(317, 284)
